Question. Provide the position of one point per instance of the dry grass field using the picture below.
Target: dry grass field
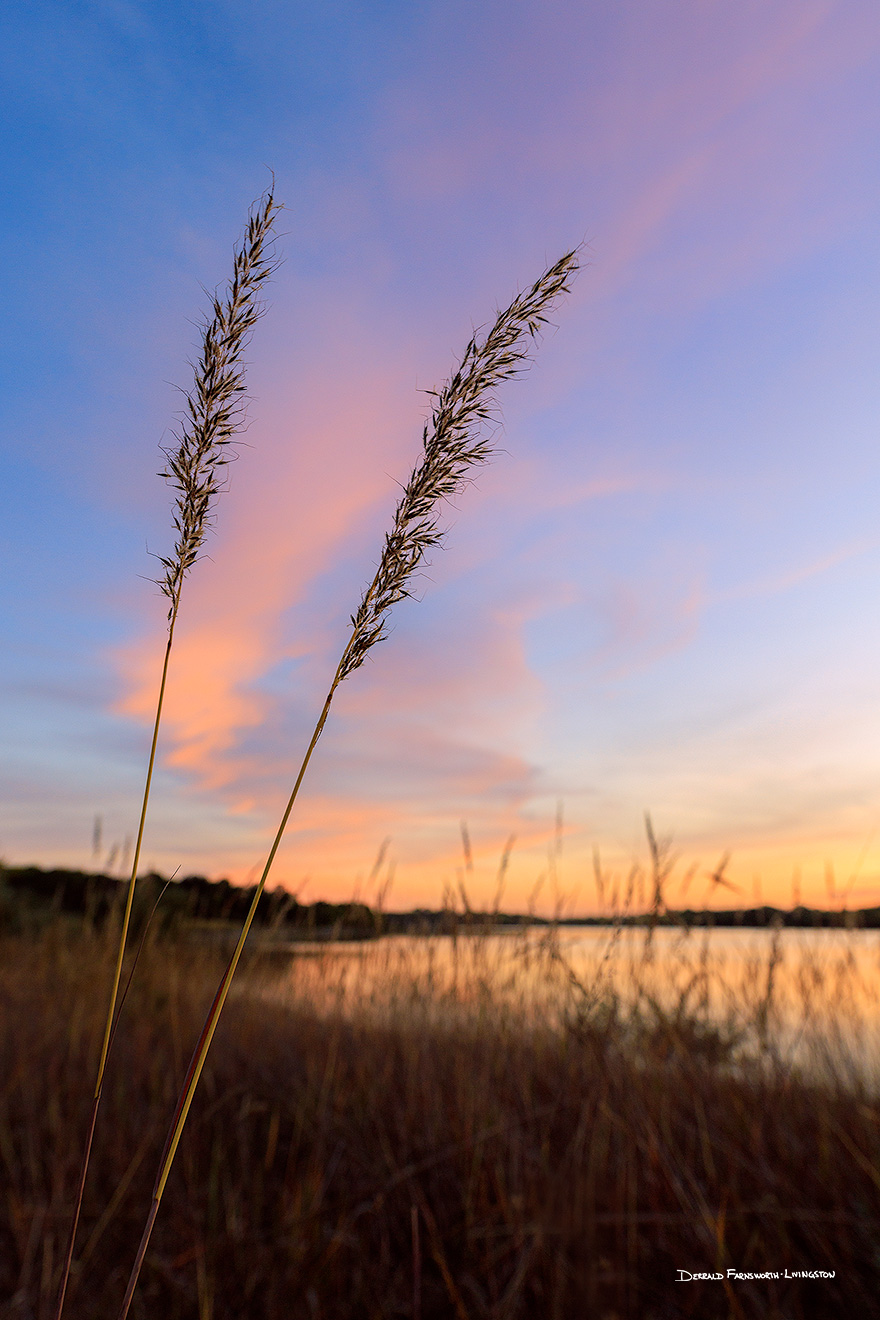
(416, 1162)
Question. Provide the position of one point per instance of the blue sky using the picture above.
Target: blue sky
(661, 595)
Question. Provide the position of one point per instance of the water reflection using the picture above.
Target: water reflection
(808, 998)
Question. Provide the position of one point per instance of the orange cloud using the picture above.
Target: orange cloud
(310, 477)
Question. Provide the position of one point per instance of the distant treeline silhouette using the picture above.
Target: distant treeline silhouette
(193, 898)
(196, 898)
(31, 889)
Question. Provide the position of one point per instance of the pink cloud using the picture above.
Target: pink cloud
(310, 476)
(644, 622)
(447, 705)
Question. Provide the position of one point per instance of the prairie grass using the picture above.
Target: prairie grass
(404, 1134)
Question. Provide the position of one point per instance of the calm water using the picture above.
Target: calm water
(810, 996)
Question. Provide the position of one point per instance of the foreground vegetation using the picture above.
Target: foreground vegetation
(472, 1162)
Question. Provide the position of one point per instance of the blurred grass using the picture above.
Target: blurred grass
(482, 1162)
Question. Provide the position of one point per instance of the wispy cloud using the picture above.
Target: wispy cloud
(778, 583)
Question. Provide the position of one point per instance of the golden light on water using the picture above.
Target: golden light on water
(810, 998)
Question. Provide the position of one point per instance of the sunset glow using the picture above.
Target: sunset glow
(662, 595)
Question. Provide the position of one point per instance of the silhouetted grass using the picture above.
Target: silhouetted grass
(342, 1163)
(214, 412)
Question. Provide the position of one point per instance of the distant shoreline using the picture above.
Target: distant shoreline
(30, 892)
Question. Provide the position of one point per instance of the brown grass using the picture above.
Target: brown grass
(344, 1164)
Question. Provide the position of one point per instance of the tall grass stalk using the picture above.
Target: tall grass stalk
(454, 443)
(214, 412)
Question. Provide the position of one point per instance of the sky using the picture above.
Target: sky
(661, 596)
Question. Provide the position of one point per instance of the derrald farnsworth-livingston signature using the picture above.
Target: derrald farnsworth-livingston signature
(689, 1276)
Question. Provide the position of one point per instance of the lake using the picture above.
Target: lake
(811, 998)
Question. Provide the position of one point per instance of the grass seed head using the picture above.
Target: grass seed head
(454, 443)
(215, 405)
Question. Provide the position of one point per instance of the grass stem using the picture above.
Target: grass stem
(214, 411)
(112, 1016)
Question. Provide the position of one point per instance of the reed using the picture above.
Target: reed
(454, 443)
(195, 469)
